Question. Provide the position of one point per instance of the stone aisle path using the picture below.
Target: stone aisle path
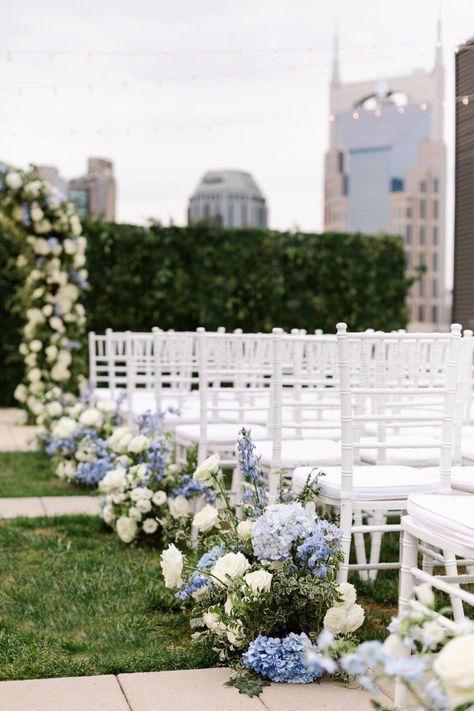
(15, 437)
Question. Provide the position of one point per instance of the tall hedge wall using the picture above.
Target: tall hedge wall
(181, 278)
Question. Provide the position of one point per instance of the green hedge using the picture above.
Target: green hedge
(182, 278)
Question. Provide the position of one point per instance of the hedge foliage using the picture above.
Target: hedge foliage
(182, 278)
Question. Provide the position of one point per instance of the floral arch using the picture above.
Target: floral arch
(52, 264)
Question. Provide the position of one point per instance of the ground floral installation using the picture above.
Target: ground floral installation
(264, 594)
(53, 263)
(437, 669)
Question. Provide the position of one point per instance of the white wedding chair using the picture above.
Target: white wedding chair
(383, 376)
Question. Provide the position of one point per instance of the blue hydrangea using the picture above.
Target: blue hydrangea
(283, 660)
(91, 473)
(315, 551)
(278, 529)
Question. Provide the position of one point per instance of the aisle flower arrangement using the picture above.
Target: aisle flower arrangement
(53, 263)
(264, 591)
(435, 668)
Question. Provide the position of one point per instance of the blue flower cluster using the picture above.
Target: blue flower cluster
(283, 660)
(315, 551)
(255, 495)
(90, 473)
(189, 487)
(279, 528)
(197, 581)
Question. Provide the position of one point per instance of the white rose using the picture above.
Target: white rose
(36, 213)
(144, 506)
(355, 617)
(454, 666)
(214, 623)
(21, 393)
(64, 428)
(107, 407)
(113, 481)
(138, 444)
(259, 581)
(14, 181)
(230, 565)
(76, 410)
(126, 529)
(206, 518)
(172, 566)
(56, 323)
(118, 498)
(244, 530)
(59, 373)
(179, 507)
(433, 633)
(108, 514)
(208, 467)
(91, 418)
(150, 525)
(348, 595)
(34, 375)
(140, 493)
(66, 470)
(335, 620)
(425, 594)
(36, 345)
(115, 439)
(54, 409)
(141, 471)
(134, 513)
(159, 498)
(36, 406)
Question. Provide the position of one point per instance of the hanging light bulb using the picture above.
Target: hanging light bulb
(465, 100)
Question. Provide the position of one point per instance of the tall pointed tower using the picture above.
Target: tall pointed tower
(385, 171)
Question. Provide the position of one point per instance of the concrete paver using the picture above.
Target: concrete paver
(89, 693)
(22, 506)
(61, 505)
(327, 696)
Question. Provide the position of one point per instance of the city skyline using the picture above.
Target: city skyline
(260, 106)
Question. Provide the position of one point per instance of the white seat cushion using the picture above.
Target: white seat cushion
(218, 433)
(449, 516)
(462, 478)
(413, 451)
(370, 482)
(467, 447)
(298, 452)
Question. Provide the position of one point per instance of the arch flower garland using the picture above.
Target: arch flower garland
(53, 263)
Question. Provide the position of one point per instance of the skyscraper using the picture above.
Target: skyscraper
(463, 287)
(230, 198)
(385, 171)
(94, 194)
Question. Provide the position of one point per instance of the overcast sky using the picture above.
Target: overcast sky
(201, 84)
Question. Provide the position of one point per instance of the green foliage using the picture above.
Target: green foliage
(32, 474)
(11, 321)
(248, 683)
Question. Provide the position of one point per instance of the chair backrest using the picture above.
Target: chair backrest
(397, 381)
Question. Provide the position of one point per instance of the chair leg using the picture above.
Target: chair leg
(451, 568)
(407, 583)
(346, 527)
(359, 544)
(427, 564)
(376, 542)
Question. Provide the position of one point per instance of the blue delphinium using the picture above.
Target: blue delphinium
(91, 473)
(255, 494)
(282, 660)
(315, 551)
(372, 655)
(197, 581)
(189, 487)
(278, 529)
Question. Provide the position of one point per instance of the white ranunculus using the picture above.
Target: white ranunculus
(206, 519)
(144, 506)
(150, 525)
(54, 409)
(335, 620)
(348, 595)
(259, 581)
(14, 181)
(108, 514)
(66, 470)
(64, 428)
(138, 444)
(126, 529)
(208, 467)
(91, 418)
(454, 666)
(36, 345)
(59, 373)
(172, 566)
(107, 407)
(425, 595)
(214, 623)
(159, 498)
(355, 618)
(141, 492)
(179, 507)
(34, 375)
(244, 530)
(113, 481)
(21, 393)
(230, 565)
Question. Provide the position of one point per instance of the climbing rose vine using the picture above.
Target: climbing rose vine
(52, 260)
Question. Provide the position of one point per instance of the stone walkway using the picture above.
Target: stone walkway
(49, 506)
(195, 690)
(14, 436)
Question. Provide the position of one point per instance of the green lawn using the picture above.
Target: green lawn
(74, 601)
(32, 474)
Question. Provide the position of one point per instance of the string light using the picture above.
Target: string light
(423, 107)
(377, 113)
(355, 115)
(465, 100)
(331, 118)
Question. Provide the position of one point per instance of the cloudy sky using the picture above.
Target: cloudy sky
(170, 88)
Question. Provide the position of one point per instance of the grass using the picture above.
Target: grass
(74, 601)
(32, 474)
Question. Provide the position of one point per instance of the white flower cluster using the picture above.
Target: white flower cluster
(345, 616)
(54, 262)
